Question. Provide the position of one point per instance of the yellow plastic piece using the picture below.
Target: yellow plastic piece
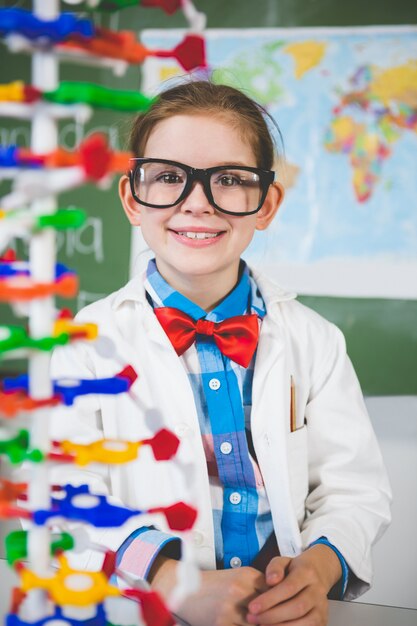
(73, 328)
(70, 587)
(102, 451)
(12, 92)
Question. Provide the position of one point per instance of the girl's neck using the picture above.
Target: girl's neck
(205, 291)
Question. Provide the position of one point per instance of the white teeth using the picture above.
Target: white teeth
(193, 235)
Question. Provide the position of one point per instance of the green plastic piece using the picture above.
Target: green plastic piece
(16, 545)
(116, 5)
(69, 92)
(63, 219)
(16, 338)
(16, 449)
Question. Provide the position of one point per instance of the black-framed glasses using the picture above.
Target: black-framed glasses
(231, 189)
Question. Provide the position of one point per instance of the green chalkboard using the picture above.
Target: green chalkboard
(381, 334)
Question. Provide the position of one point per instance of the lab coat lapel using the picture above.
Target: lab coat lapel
(270, 423)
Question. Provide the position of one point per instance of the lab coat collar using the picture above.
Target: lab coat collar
(272, 294)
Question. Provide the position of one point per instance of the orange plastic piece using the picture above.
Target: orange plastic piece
(22, 288)
(107, 43)
(15, 402)
(9, 492)
(68, 586)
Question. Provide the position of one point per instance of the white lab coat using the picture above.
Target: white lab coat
(326, 478)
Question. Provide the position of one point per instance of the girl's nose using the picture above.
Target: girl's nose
(196, 201)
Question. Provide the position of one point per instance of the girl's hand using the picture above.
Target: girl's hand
(223, 597)
(298, 589)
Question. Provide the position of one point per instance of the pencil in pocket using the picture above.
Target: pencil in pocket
(293, 410)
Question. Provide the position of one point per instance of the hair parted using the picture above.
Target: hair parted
(203, 97)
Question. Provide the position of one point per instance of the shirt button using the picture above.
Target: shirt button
(226, 447)
(182, 429)
(235, 497)
(235, 561)
(214, 384)
(198, 537)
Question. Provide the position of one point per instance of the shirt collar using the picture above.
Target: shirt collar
(244, 298)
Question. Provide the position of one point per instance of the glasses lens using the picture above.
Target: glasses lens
(159, 184)
(236, 190)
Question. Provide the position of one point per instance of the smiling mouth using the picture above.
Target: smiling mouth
(198, 234)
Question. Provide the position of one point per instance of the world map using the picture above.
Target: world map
(345, 101)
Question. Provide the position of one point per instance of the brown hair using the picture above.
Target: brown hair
(201, 97)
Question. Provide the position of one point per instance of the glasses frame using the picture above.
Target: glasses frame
(266, 178)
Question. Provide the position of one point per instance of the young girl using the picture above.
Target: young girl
(286, 472)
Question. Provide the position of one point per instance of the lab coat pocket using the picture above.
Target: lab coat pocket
(297, 454)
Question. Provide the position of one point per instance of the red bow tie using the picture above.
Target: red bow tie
(236, 337)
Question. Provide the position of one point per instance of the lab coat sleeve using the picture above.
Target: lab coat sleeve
(349, 494)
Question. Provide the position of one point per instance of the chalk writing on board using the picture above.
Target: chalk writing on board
(87, 297)
(85, 240)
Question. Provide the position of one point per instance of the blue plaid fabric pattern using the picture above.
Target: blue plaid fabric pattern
(223, 396)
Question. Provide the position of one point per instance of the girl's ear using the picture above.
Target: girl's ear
(270, 207)
(130, 206)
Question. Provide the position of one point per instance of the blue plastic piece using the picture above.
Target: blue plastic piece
(21, 268)
(98, 620)
(10, 157)
(101, 515)
(25, 23)
(70, 389)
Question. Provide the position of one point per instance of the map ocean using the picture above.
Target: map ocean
(346, 103)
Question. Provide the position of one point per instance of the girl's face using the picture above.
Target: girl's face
(200, 141)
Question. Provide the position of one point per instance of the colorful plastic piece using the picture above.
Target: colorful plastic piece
(75, 330)
(22, 288)
(11, 404)
(17, 91)
(123, 45)
(93, 155)
(81, 505)
(16, 545)
(57, 617)
(69, 389)
(20, 223)
(16, 448)
(153, 609)
(19, 21)
(22, 268)
(98, 96)
(16, 338)
(68, 586)
(164, 446)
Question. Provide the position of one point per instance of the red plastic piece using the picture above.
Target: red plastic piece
(95, 156)
(31, 94)
(180, 516)
(190, 53)
(129, 373)
(154, 611)
(65, 314)
(169, 6)
(164, 444)
(9, 256)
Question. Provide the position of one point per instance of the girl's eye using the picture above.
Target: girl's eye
(169, 178)
(228, 180)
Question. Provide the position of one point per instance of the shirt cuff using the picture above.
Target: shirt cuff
(138, 552)
(345, 569)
